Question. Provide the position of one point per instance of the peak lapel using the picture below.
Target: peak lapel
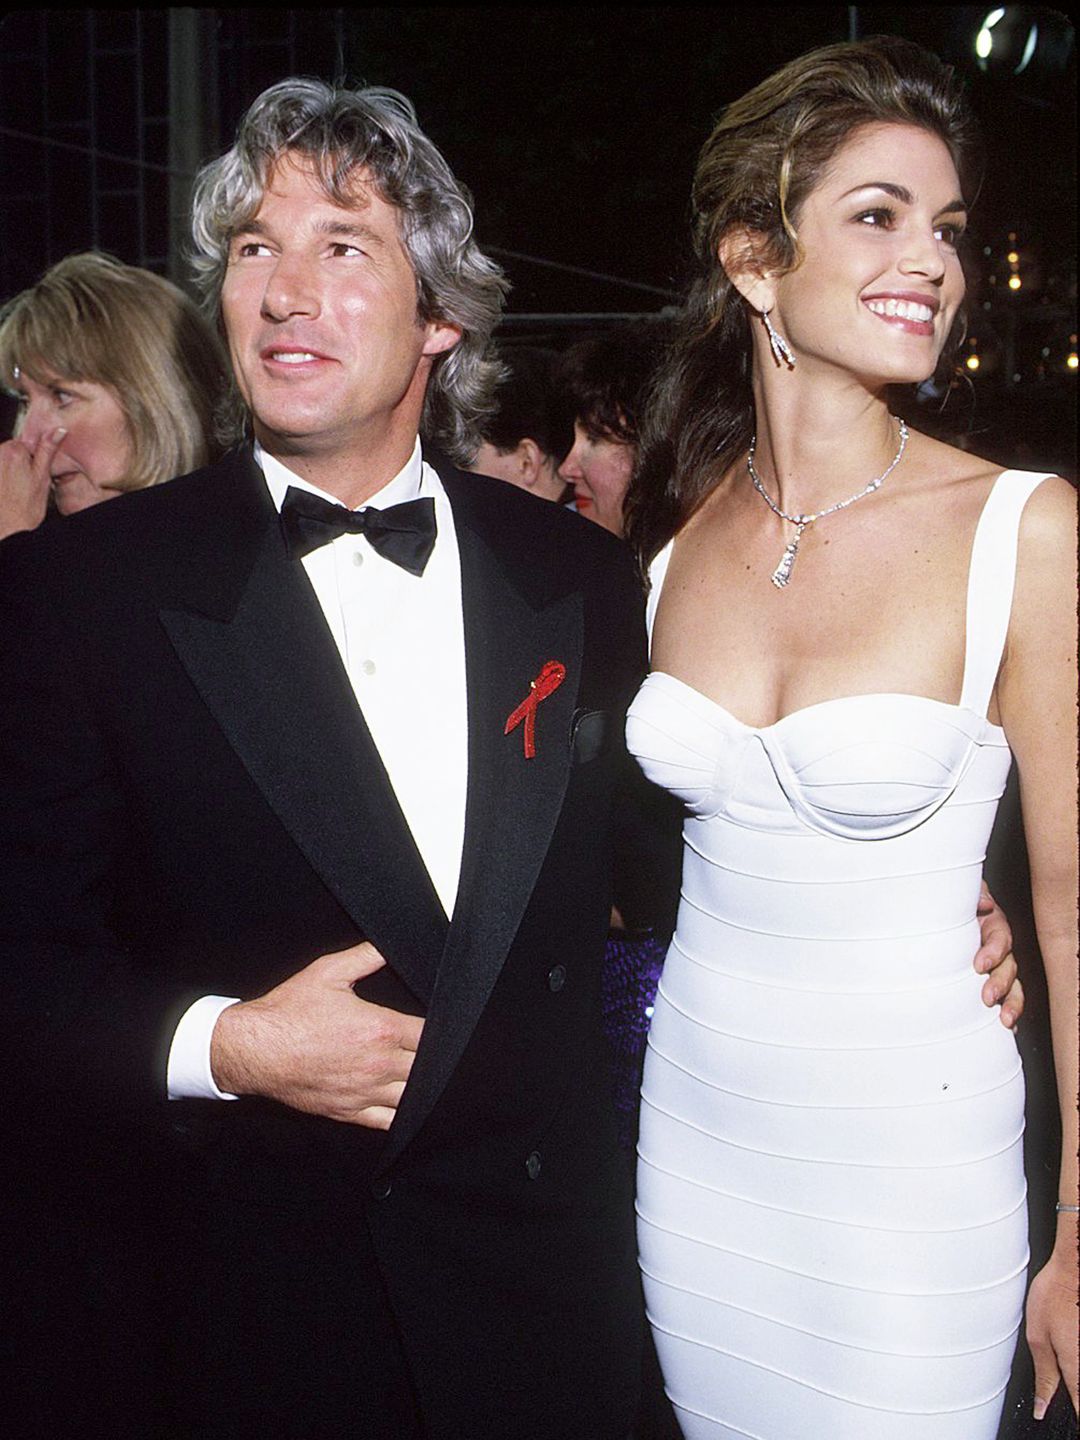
(271, 675)
(512, 629)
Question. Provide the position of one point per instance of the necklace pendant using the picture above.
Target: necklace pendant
(782, 574)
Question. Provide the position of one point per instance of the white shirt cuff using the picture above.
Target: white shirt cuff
(189, 1076)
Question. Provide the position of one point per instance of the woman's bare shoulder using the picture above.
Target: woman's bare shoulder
(969, 479)
(945, 464)
(1048, 524)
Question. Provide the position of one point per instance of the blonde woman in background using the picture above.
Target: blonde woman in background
(117, 376)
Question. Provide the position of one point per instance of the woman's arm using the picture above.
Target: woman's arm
(1037, 695)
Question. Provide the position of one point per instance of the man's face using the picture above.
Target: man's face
(320, 309)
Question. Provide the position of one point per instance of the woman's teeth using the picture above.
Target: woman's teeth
(904, 309)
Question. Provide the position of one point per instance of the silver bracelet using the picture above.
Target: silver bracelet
(1067, 1209)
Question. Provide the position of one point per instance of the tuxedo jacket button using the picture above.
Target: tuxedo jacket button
(381, 1187)
(532, 1165)
(556, 978)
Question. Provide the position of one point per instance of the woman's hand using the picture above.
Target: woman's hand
(24, 482)
(1052, 1322)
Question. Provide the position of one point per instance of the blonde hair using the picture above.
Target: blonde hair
(94, 319)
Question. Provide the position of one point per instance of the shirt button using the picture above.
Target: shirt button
(556, 978)
(381, 1188)
(532, 1165)
(358, 557)
(368, 667)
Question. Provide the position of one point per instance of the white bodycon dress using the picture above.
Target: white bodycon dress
(831, 1198)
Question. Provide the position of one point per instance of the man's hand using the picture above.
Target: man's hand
(313, 1044)
(24, 482)
(995, 960)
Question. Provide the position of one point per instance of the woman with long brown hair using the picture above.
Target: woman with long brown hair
(854, 629)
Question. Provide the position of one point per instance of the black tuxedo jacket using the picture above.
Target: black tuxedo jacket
(194, 805)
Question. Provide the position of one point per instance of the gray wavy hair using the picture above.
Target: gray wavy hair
(338, 131)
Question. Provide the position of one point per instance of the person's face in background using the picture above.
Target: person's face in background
(526, 466)
(599, 468)
(94, 459)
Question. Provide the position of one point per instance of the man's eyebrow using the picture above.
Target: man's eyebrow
(903, 194)
(344, 229)
(349, 230)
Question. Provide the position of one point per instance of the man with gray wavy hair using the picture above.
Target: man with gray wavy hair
(342, 137)
(331, 735)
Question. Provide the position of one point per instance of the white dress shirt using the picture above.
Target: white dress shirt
(402, 643)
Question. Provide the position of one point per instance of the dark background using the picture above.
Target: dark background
(576, 131)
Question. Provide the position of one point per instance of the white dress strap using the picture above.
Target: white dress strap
(991, 579)
(657, 571)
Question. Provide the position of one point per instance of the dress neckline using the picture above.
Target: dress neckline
(904, 697)
(996, 527)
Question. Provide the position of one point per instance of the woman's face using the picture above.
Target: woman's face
(599, 468)
(94, 459)
(881, 281)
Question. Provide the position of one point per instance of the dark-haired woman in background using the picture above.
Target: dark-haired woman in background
(830, 1189)
(604, 382)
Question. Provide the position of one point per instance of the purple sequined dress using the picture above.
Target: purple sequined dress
(628, 989)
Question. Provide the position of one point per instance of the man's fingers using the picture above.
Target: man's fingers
(1000, 981)
(375, 1117)
(995, 945)
(1013, 1006)
(387, 1100)
(345, 967)
(395, 1032)
(999, 990)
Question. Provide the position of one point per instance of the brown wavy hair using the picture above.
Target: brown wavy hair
(765, 155)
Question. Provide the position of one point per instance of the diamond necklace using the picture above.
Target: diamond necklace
(782, 574)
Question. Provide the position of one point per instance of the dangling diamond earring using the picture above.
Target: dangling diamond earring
(780, 347)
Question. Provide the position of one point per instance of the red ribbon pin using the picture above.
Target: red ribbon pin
(550, 678)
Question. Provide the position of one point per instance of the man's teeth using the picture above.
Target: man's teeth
(905, 309)
(293, 357)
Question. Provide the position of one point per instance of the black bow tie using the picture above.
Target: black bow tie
(404, 534)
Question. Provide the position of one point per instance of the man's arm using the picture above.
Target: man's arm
(314, 1045)
(83, 1015)
(648, 853)
(89, 1019)
(995, 960)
